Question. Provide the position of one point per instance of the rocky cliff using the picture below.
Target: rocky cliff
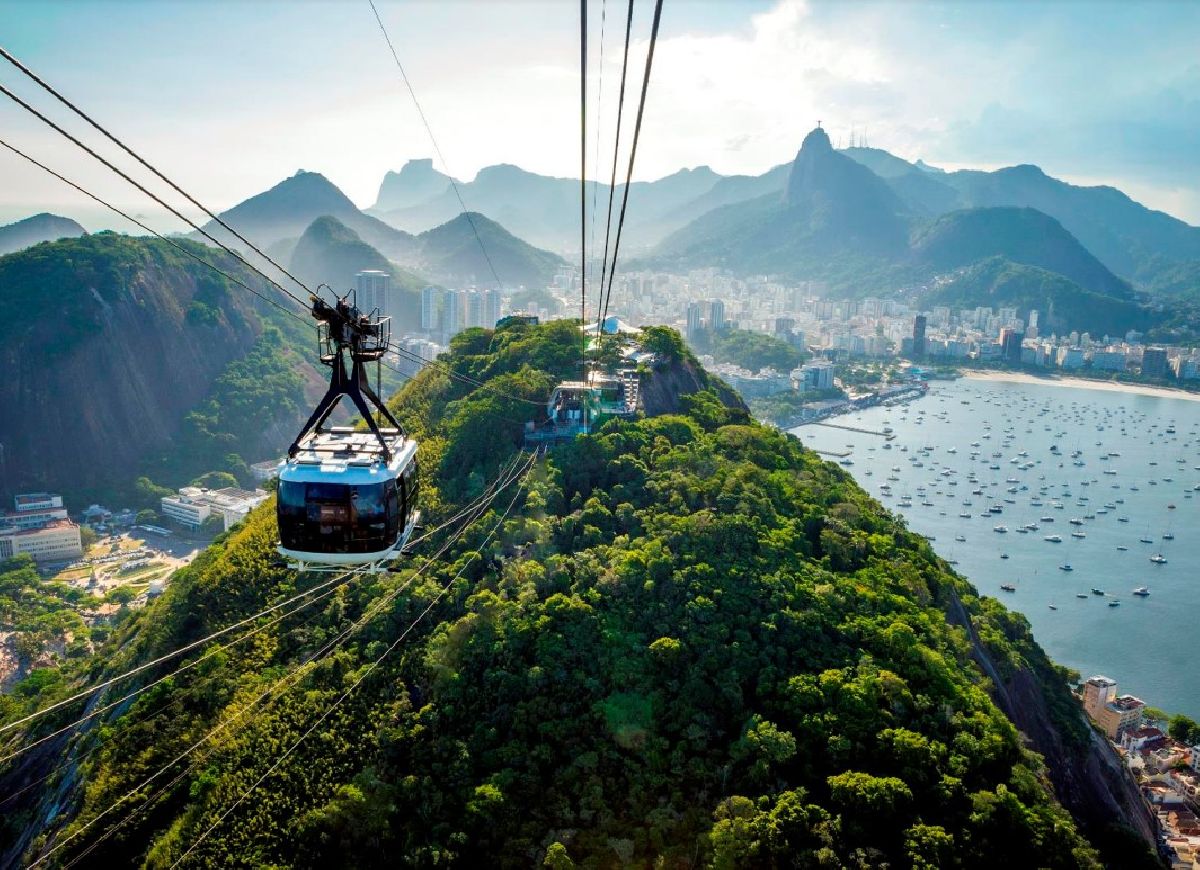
(107, 342)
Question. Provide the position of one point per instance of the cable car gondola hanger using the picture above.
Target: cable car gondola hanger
(347, 496)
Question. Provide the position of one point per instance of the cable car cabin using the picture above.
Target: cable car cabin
(342, 503)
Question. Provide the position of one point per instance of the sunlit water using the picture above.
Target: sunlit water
(1148, 644)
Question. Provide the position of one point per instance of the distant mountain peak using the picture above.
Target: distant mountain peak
(817, 140)
(840, 198)
(43, 227)
(416, 182)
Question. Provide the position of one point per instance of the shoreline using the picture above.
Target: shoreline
(1080, 383)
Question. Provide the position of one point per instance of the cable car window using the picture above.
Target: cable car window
(337, 518)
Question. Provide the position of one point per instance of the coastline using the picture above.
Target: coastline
(1081, 383)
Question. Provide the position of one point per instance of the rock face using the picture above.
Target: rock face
(415, 183)
(662, 389)
(1089, 780)
(107, 342)
(33, 230)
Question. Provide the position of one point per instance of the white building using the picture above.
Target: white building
(194, 505)
(186, 508)
(57, 541)
(1108, 360)
(431, 297)
(266, 470)
(1070, 357)
(374, 291)
(34, 509)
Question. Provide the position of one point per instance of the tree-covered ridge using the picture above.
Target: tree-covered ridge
(692, 643)
(79, 278)
(748, 349)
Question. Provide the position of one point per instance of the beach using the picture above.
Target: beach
(1082, 384)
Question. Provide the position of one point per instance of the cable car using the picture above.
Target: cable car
(348, 497)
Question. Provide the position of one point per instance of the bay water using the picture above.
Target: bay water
(1124, 466)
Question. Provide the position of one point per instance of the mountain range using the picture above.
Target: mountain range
(675, 220)
(308, 221)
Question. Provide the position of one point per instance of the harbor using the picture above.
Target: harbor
(1074, 506)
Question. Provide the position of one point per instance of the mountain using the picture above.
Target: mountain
(331, 253)
(43, 227)
(833, 198)
(1122, 233)
(834, 218)
(452, 253)
(123, 357)
(883, 163)
(287, 209)
(839, 222)
(1063, 305)
(542, 209)
(415, 183)
(1022, 235)
(1131, 240)
(684, 640)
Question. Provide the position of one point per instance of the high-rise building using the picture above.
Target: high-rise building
(1033, 318)
(1097, 692)
(918, 336)
(431, 298)
(474, 308)
(491, 308)
(716, 314)
(816, 375)
(1010, 345)
(695, 319)
(453, 302)
(374, 292)
(1154, 362)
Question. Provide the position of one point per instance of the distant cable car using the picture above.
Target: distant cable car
(348, 497)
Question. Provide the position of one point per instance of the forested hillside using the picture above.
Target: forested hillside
(690, 642)
(112, 345)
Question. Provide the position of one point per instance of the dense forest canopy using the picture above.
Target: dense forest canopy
(691, 642)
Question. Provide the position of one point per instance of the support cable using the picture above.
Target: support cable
(292, 677)
(186, 667)
(48, 122)
(612, 181)
(637, 130)
(82, 114)
(441, 158)
(181, 248)
(366, 673)
(583, 318)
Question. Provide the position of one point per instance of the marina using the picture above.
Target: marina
(1123, 468)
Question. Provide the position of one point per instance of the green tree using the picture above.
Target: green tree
(1184, 729)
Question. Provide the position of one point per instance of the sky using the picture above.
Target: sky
(229, 98)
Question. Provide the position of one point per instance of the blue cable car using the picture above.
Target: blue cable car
(347, 497)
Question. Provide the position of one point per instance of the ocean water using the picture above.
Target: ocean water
(1148, 644)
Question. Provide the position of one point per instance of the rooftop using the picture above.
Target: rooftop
(37, 530)
(1126, 703)
(1101, 681)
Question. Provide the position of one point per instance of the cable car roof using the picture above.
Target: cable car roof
(347, 455)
